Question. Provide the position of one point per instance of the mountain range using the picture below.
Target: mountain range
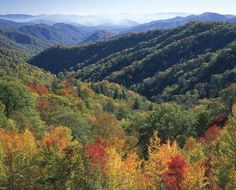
(36, 33)
(36, 37)
(117, 105)
(127, 20)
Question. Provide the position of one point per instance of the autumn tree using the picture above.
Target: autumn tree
(114, 169)
(62, 163)
(18, 148)
(156, 164)
(132, 172)
(176, 173)
(96, 152)
(195, 178)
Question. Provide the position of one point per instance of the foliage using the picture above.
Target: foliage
(75, 135)
(182, 64)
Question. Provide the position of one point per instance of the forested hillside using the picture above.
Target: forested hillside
(13, 64)
(181, 64)
(74, 135)
(80, 130)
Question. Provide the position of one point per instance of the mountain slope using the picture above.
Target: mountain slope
(36, 37)
(13, 64)
(158, 64)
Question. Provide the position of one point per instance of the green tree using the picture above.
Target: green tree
(172, 122)
(14, 96)
(224, 164)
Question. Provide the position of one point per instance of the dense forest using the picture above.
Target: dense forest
(81, 130)
(189, 62)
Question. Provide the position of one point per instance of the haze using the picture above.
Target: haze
(94, 7)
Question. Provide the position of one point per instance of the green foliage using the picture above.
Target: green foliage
(182, 64)
(171, 122)
(13, 64)
(225, 155)
(2, 167)
(69, 134)
(15, 97)
(78, 124)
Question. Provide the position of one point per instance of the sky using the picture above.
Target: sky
(94, 7)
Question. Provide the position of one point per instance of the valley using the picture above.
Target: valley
(88, 103)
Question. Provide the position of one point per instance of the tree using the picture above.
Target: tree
(3, 175)
(17, 146)
(14, 96)
(224, 160)
(171, 122)
(195, 178)
(58, 155)
(211, 134)
(158, 157)
(114, 169)
(136, 104)
(104, 125)
(3, 119)
(176, 173)
(132, 172)
(97, 153)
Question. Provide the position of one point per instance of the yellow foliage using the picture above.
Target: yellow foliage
(132, 171)
(114, 171)
(195, 179)
(156, 165)
(60, 137)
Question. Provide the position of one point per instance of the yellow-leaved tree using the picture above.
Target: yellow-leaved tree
(156, 164)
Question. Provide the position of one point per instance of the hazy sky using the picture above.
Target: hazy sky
(85, 7)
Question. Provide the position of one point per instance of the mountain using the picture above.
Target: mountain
(58, 33)
(17, 17)
(59, 132)
(10, 24)
(99, 35)
(179, 21)
(197, 60)
(36, 37)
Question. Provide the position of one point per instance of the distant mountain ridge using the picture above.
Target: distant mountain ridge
(157, 21)
(179, 21)
(89, 20)
(37, 37)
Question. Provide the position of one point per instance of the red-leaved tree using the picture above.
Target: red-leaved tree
(97, 152)
(175, 174)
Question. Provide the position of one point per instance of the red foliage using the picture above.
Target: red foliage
(219, 121)
(34, 88)
(65, 91)
(97, 152)
(175, 174)
(211, 134)
(44, 105)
